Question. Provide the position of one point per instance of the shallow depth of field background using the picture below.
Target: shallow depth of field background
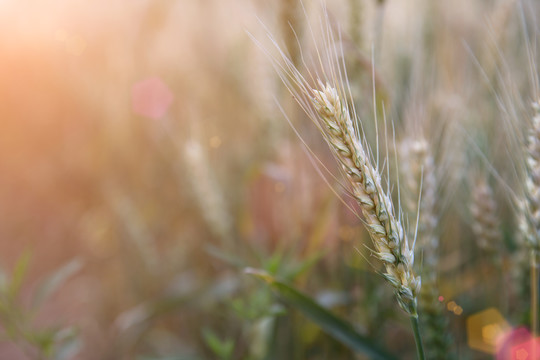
(143, 140)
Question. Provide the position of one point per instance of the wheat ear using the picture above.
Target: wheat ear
(389, 239)
(485, 221)
(418, 170)
(328, 109)
(207, 193)
(420, 191)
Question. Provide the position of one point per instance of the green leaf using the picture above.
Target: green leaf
(42, 339)
(3, 280)
(19, 272)
(222, 348)
(274, 263)
(328, 322)
(55, 281)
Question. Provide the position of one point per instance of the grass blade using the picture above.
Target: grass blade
(334, 326)
(19, 273)
(55, 280)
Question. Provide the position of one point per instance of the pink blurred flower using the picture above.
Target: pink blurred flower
(151, 98)
(528, 350)
(517, 345)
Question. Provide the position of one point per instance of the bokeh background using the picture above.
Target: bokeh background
(146, 145)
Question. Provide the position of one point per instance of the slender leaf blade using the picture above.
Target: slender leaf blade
(55, 280)
(19, 273)
(334, 326)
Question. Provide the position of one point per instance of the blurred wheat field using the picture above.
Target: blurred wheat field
(163, 195)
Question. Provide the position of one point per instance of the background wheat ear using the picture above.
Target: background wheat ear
(207, 193)
(485, 221)
(420, 192)
(419, 179)
(531, 225)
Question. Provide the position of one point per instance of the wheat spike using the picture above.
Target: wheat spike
(532, 212)
(420, 190)
(485, 221)
(418, 170)
(207, 192)
(389, 239)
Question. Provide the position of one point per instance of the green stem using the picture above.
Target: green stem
(417, 337)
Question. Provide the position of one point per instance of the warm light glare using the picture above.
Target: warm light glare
(486, 329)
(490, 333)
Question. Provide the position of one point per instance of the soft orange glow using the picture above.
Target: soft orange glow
(485, 329)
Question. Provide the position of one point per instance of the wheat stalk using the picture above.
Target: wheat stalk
(327, 107)
(389, 239)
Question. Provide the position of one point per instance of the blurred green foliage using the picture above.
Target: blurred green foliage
(18, 320)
